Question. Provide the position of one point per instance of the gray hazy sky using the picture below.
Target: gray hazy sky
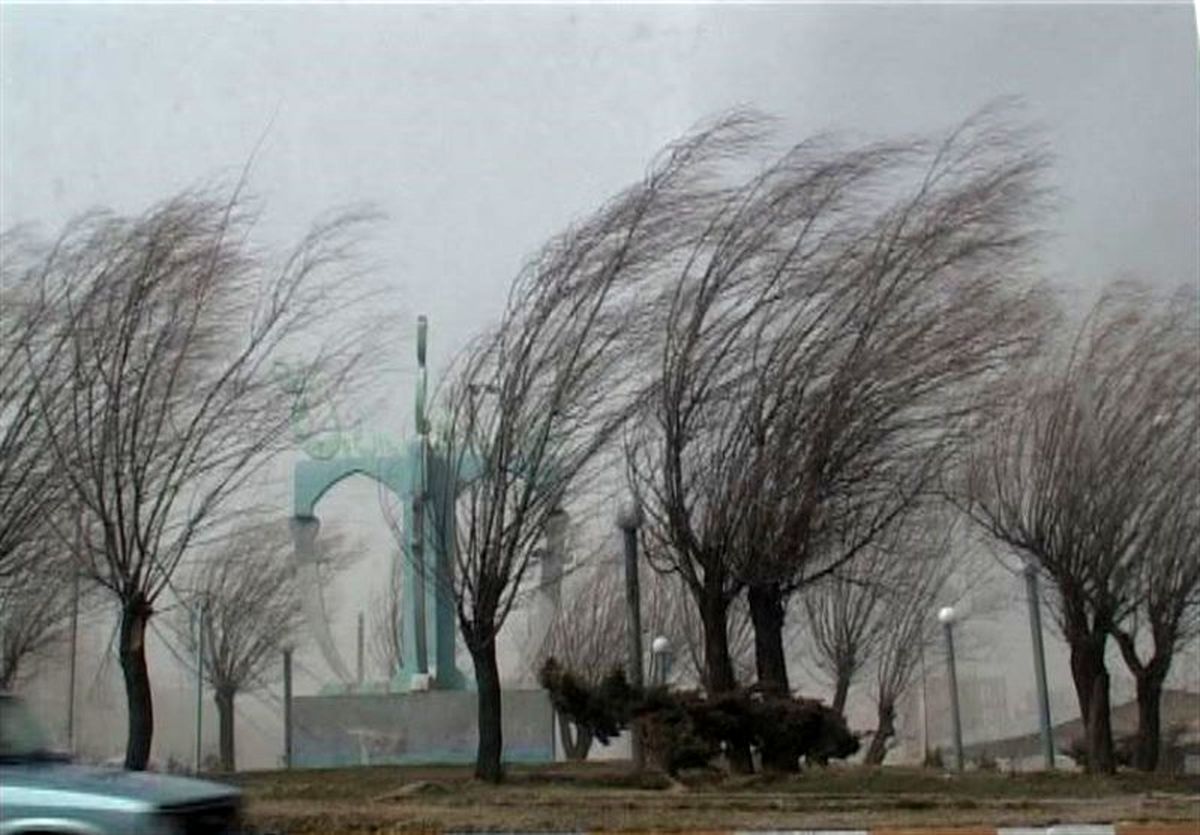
(481, 130)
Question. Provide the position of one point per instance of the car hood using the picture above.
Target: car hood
(157, 790)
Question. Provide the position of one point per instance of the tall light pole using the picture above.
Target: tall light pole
(73, 660)
(629, 519)
(946, 616)
(199, 618)
(924, 710)
(1039, 662)
(287, 707)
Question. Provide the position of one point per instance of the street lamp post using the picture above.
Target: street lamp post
(198, 616)
(287, 707)
(1039, 662)
(946, 616)
(660, 661)
(629, 519)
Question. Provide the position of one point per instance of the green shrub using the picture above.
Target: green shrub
(689, 730)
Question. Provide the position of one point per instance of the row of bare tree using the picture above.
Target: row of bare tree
(799, 367)
(804, 368)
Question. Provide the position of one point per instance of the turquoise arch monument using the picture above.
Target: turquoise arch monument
(413, 473)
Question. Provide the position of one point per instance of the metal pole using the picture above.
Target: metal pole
(199, 683)
(75, 564)
(958, 740)
(287, 708)
(634, 625)
(361, 631)
(73, 661)
(924, 710)
(1039, 663)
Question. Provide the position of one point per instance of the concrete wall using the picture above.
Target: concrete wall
(422, 727)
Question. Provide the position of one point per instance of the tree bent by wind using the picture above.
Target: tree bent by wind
(159, 403)
(848, 319)
(1091, 476)
(240, 606)
(532, 407)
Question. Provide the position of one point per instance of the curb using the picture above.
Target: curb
(1175, 828)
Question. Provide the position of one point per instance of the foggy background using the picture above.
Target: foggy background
(480, 131)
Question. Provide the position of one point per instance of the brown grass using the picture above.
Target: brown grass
(598, 796)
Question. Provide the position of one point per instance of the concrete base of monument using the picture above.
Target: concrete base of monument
(429, 727)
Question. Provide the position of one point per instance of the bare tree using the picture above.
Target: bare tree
(35, 608)
(826, 345)
(669, 610)
(914, 586)
(161, 403)
(692, 459)
(385, 621)
(1165, 547)
(534, 405)
(585, 637)
(925, 315)
(30, 308)
(244, 592)
(842, 613)
(1080, 479)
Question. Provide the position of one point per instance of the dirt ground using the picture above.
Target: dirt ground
(605, 797)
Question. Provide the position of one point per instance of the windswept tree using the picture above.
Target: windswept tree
(586, 637)
(915, 586)
(1165, 547)
(843, 623)
(893, 356)
(692, 457)
(161, 401)
(828, 343)
(533, 406)
(36, 607)
(243, 591)
(384, 622)
(30, 333)
(1091, 477)
(669, 610)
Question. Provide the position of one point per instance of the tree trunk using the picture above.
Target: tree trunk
(841, 691)
(1100, 740)
(718, 669)
(488, 765)
(1150, 677)
(1091, 686)
(885, 731)
(1149, 730)
(224, 699)
(140, 707)
(575, 746)
(767, 613)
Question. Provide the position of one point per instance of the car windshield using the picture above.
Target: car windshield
(21, 737)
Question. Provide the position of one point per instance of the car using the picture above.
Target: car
(46, 793)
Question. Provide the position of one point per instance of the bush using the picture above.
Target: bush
(604, 711)
(670, 736)
(689, 730)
